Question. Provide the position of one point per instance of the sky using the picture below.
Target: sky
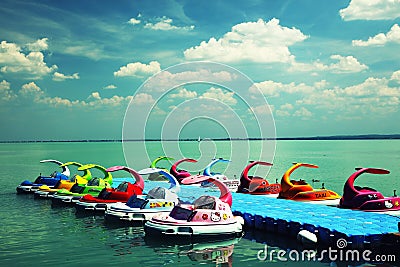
(86, 69)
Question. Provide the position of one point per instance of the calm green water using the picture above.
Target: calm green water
(32, 233)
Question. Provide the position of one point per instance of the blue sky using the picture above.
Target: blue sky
(69, 69)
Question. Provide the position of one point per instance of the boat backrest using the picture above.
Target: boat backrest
(135, 202)
(104, 194)
(157, 193)
(204, 202)
(122, 187)
(77, 189)
(94, 182)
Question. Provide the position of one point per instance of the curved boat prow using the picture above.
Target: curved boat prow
(181, 173)
(207, 169)
(65, 169)
(107, 175)
(86, 173)
(225, 194)
(174, 187)
(154, 163)
(138, 178)
(286, 183)
(245, 173)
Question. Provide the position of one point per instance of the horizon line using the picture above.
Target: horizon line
(330, 137)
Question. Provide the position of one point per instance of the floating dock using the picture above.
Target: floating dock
(288, 217)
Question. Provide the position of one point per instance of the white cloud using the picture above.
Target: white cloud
(395, 78)
(374, 97)
(5, 93)
(4, 85)
(31, 90)
(371, 10)
(273, 89)
(59, 77)
(138, 69)
(143, 99)
(259, 41)
(165, 24)
(39, 45)
(345, 64)
(262, 109)
(31, 65)
(302, 112)
(59, 102)
(183, 93)
(219, 95)
(110, 86)
(134, 21)
(32, 93)
(392, 36)
(285, 110)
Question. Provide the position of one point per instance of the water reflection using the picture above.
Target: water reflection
(218, 252)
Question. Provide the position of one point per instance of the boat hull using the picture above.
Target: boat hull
(158, 227)
(134, 215)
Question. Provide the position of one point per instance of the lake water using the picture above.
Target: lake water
(32, 233)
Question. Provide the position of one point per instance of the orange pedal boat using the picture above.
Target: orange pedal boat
(300, 190)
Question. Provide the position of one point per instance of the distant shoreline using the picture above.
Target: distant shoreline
(334, 137)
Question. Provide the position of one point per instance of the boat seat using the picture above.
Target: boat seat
(157, 193)
(94, 182)
(364, 189)
(104, 194)
(135, 202)
(77, 189)
(122, 187)
(204, 202)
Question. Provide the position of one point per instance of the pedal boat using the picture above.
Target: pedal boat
(157, 176)
(231, 184)
(206, 218)
(93, 187)
(109, 196)
(257, 185)
(366, 198)
(180, 174)
(51, 180)
(302, 191)
(47, 192)
(141, 208)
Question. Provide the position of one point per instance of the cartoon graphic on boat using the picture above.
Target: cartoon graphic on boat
(140, 208)
(301, 190)
(257, 185)
(366, 198)
(51, 180)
